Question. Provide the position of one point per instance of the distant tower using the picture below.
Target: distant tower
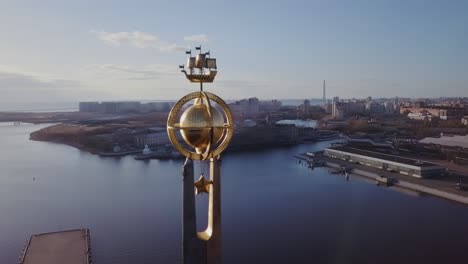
(324, 94)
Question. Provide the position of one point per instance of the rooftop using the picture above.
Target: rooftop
(383, 156)
(449, 141)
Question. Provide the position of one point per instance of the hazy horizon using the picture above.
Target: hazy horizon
(63, 105)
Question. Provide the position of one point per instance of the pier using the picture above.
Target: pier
(119, 153)
(70, 246)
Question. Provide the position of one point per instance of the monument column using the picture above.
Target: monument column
(193, 249)
(214, 255)
(204, 121)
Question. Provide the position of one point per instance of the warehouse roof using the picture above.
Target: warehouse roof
(449, 141)
(384, 156)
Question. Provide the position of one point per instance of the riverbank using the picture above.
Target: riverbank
(129, 135)
(98, 133)
(46, 117)
(76, 136)
(98, 139)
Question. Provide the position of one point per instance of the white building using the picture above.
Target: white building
(465, 121)
(159, 138)
(337, 110)
(421, 116)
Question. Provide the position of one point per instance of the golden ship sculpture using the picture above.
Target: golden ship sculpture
(205, 125)
(201, 68)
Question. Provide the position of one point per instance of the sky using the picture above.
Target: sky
(130, 50)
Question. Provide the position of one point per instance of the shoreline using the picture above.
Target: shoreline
(46, 135)
(67, 143)
(46, 117)
(104, 138)
(94, 151)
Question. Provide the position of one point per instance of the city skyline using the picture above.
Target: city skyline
(66, 51)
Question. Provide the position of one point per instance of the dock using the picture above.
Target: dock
(159, 155)
(120, 153)
(70, 246)
(310, 159)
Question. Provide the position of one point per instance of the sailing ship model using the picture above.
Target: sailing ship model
(201, 68)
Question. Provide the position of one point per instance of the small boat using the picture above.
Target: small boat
(385, 181)
(146, 150)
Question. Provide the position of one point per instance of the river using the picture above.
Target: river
(274, 210)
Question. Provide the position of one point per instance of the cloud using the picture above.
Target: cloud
(197, 38)
(137, 39)
(149, 72)
(19, 81)
(26, 87)
(166, 47)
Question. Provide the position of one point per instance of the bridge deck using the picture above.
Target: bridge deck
(71, 247)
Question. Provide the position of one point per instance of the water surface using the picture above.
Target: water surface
(274, 210)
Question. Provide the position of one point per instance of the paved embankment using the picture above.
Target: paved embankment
(443, 188)
(71, 247)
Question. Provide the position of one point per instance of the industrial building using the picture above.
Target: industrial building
(449, 147)
(110, 107)
(442, 112)
(245, 108)
(124, 107)
(345, 108)
(455, 141)
(397, 164)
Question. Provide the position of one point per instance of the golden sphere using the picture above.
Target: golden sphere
(195, 125)
(207, 130)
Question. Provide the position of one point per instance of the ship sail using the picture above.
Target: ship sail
(191, 62)
(200, 61)
(210, 63)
